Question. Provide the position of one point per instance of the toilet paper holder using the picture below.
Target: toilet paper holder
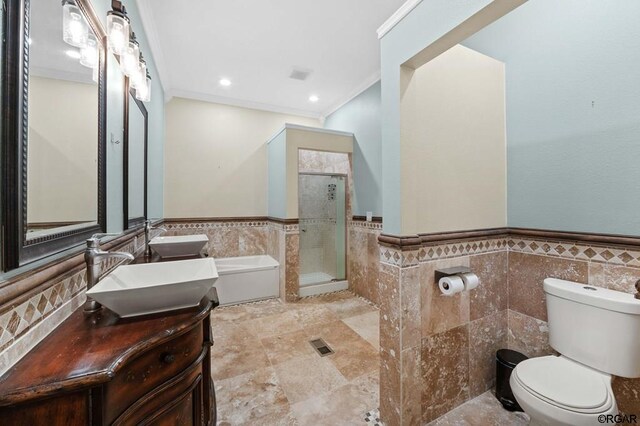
(447, 272)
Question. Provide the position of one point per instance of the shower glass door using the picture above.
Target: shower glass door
(322, 213)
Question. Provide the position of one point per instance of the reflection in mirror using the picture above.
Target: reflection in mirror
(62, 148)
(135, 160)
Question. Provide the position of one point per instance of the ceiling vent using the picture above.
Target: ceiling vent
(300, 74)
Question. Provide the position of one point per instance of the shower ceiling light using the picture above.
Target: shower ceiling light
(313, 98)
(225, 82)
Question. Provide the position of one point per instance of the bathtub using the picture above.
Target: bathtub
(247, 278)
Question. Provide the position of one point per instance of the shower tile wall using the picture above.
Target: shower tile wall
(318, 213)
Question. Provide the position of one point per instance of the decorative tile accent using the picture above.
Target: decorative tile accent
(18, 320)
(373, 417)
(377, 226)
(394, 257)
(576, 250)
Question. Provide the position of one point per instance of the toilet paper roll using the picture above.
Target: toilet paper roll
(470, 280)
(451, 285)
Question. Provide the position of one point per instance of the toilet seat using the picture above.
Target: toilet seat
(566, 384)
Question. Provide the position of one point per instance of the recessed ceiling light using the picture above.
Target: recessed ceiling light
(314, 98)
(225, 82)
(73, 54)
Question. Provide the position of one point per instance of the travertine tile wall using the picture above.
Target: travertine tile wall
(249, 238)
(530, 261)
(226, 238)
(363, 259)
(437, 352)
(24, 324)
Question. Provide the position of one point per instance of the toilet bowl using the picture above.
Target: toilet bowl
(590, 327)
(555, 390)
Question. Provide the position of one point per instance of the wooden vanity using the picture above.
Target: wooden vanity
(100, 369)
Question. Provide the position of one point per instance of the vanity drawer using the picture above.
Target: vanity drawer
(151, 369)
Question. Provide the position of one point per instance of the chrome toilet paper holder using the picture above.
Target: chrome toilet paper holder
(447, 272)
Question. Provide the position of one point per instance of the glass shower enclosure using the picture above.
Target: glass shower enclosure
(322, 215)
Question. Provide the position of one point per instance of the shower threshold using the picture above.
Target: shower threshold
(316, 288)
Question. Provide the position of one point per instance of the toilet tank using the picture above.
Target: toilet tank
(595, 326)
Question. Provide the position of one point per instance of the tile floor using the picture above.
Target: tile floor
(266, 372)
(484, 410)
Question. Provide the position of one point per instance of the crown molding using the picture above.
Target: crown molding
(205, 97)
(149, 26)
(292, 126)
(368, 82)
(397, 16)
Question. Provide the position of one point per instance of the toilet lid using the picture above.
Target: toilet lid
(564, 382)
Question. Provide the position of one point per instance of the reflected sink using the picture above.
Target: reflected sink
(179, 246)
(149, 288)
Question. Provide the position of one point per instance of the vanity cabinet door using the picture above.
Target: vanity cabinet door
(177, 402)
(152, 369)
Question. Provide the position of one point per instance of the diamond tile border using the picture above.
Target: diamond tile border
(20, 319)
(576, 250)
(553, 248)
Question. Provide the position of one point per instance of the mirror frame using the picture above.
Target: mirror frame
(129, 223)
(17, 250)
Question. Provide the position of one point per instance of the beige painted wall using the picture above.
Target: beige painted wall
(62, 151)
(453, 143)
(216, 158)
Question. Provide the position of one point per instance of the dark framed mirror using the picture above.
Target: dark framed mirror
(54, 118)
(135, 159)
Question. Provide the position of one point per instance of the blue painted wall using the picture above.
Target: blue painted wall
(361, 116)
(115, 113)
(429, 21)
(573, 113)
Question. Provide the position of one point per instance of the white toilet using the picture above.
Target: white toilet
(597, 333)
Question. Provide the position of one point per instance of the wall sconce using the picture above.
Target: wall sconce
(74, 29)
(117, 28)
(121, 41)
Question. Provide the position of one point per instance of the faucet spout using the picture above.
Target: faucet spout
(147, 235)
(93, 256)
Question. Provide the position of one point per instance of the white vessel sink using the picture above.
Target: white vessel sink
(148, 288)
(179, 246)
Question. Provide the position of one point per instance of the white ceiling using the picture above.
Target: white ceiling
(256, 44)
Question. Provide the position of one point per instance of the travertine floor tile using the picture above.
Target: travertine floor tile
(287, 346)
(251, 398)
(262, 361)
(367, 326)
(306, 377)
(484, 410)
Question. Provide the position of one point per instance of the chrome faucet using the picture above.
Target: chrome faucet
(93, 256)
(147, 234)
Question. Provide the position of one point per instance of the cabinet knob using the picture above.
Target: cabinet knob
(168, 357)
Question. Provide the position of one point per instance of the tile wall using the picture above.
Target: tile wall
(438, 352)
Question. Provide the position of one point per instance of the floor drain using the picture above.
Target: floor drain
(321, 347)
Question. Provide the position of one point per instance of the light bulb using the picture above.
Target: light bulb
(117, 32)
(314, 98)
(130, 59)
(89, 53)
(138, 77)
(74, 29)
(143, 92)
